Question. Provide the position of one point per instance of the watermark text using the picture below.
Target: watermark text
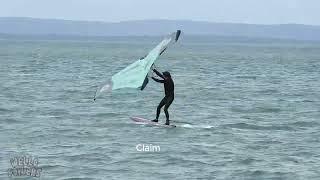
(148, 148)
(24, 166)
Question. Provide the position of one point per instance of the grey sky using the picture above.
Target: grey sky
(240, 11)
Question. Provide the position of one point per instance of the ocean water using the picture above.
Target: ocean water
(244, 109)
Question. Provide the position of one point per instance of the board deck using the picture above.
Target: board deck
(149, 122)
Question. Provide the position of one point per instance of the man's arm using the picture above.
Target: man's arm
(158, 73)
(158, 80)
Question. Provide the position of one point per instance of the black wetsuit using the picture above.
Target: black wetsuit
(169, 94)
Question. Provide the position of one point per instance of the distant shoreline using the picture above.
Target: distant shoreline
(149, 20)
(15, 26)
(194, 38)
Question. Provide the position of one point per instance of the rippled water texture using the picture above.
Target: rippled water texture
(245, 109)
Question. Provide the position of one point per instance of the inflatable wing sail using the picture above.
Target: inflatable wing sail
(136, 74)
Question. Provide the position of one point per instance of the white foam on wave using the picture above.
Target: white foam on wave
(197, 126)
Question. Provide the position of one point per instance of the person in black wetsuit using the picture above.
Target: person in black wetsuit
(169, 93)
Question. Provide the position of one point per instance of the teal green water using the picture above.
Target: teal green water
(244, 109)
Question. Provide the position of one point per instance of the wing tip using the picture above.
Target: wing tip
(177, 35)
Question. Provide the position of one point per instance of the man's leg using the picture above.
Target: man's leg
(168, 103)
(161, 104)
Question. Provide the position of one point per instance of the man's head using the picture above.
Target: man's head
(166, 74)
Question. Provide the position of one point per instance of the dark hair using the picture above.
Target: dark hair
(167, 74)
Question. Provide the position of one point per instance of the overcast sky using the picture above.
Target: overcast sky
(238, 11)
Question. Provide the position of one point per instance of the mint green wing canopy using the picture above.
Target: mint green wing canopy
(135, 75)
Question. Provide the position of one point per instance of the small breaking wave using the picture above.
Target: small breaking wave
(258, 127)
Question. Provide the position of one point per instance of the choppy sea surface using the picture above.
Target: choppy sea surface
(244, 109)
